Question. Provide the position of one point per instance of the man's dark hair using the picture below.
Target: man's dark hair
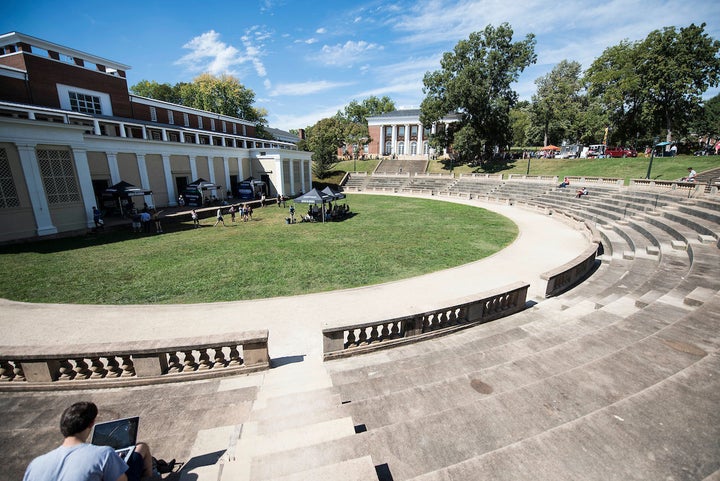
(77, 418)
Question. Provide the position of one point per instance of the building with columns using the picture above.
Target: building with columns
(400, 134)
(69, 129)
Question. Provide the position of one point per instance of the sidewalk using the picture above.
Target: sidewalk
(295, 323)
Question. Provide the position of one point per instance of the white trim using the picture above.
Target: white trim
(64, 97)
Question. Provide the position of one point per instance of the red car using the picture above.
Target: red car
(620, 152)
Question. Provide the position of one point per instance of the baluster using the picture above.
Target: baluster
(81, 368)
(395, 330)
(113, 367)
(350, 339)
(374, 334)
(19, 373)
(128, 368)
(452, 317)
(235, 359)
(190, 364)
(174, 365)
(66, 371)
(97, 368)
(6, 371)
(219, 358)
(362, 339)
(204, 360)
(385, 332)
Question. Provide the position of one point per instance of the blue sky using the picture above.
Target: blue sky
(307, 60)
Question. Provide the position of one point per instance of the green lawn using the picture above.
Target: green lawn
(665, 168)
(389, 238)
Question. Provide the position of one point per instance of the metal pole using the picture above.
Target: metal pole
(652, 156)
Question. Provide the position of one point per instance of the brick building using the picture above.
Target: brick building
(69, 128)
(401, 134)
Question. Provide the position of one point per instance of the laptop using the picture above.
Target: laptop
(120, 434)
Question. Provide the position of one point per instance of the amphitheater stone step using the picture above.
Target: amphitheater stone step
(359, 469)
(699, 296)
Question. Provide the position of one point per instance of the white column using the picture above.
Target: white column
(393, 144)
(96, 127)
(164, 135)
(241, 175)
(197, 138)
(144, 132)
(36, 189)
(226, 169)
(144, 179)
(292, 177)
(193, 169)
(280, 176)
(420, 140)
(122, 130)
(113, 166)
(182, 137)
(169, 181)
(407, 139)
(211, 168)
(302, 176)
(85, 181)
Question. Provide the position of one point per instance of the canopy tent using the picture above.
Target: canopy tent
(550, 147)
(194, 191)
(332, 193)
(314, 197)
(122, 190)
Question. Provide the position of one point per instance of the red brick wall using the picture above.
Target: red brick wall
(44, 74)
(13, 90)
(376, 142)
(15, 61)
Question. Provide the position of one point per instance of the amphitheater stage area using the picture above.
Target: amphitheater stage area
(617, 378)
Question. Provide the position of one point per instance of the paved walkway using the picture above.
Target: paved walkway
(295, 322)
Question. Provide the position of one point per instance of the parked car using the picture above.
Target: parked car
(597, 150)
(620, 152)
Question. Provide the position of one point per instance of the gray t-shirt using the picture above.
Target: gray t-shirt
(84, 462)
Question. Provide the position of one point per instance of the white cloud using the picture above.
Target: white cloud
(306, 88)
(209, 54)
(348, 53)
(301, 121)
(254, 51)
(321, 30)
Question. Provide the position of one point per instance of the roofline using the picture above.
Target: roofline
(17, 37)
(184, 108)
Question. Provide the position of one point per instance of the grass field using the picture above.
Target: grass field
(388, 238)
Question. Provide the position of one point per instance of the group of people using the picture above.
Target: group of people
(142, 220)
(579, 193)
(332, 212)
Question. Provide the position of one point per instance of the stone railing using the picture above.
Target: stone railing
(434, 175)
(596, 180)
(668, 185)
(132, 363)
(482, 176)
(359, 338)
(536, 178)
(570, 273)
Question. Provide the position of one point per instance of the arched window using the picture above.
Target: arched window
(413, 148)
(426, 148)
(401, 148)
(388, 148)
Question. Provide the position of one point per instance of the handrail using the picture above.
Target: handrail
(131, 363)
(570, 273)
(369, 336)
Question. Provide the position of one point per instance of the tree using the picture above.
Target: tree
(557, 103)
(222, 95)
(521, 125)
(475, 81)
(707, 124)
(677, 67)
(359, 112)
(324, 139)
(154, 90)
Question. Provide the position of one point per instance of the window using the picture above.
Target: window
(200, 125)
(87, 104)
(234, 129)
(8, 193)
(171, 117)
(401, 131)
(426, 148)
(186, 120)
(153, 114)
(212, 124)
(224, 126)
(58, 175)
(413, 131)
(401, 148)
(388, 148)
(413, 148)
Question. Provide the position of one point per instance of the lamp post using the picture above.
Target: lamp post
(652, 156)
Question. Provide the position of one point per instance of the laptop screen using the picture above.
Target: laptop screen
(118, 434)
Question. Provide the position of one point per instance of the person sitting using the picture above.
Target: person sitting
(691, 175)
(581, 192)
(77, 460)
(564, 183)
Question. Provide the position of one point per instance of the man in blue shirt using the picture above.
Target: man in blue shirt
(75, 460)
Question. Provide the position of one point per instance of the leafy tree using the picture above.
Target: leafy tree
(707, 124)
(222, 95)
(474, 80)
(520, 122)
(154, 90)
(324, 139)
(677, 67)
(557, 103)
(359, 112)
